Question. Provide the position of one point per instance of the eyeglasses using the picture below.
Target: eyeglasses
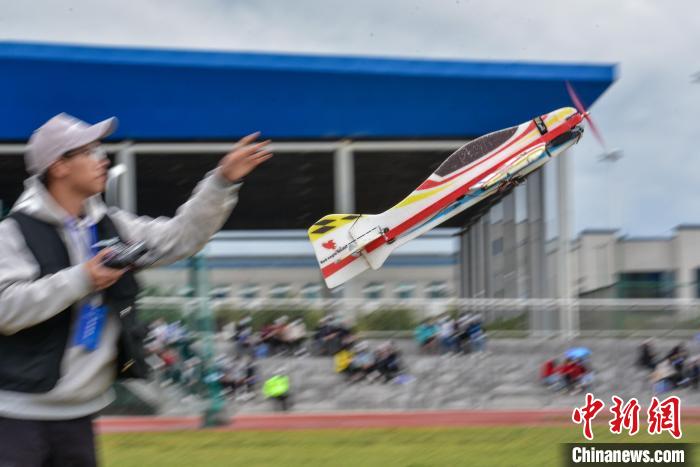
(96, 152)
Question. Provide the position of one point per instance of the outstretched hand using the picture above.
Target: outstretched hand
(245, 156)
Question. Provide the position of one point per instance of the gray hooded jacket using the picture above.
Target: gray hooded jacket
(25, 301)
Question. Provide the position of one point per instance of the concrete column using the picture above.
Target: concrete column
(127, 182)
(569, 318)
(344, 190)
(465, 261)
(535, 245)
(486, 289)
(344, 178)
(474, 271)
(510, 254)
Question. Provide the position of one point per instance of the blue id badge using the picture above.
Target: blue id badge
(92, 315)
(90, 324)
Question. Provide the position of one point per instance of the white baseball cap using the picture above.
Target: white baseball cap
(59, 135)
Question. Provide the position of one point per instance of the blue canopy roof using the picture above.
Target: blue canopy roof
(192, 95)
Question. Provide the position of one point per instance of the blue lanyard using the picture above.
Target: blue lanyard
(77, 234)
(91, 319)
(93, 240)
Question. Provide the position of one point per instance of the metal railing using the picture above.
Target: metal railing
(539, 317)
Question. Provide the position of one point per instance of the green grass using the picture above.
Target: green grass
(414, 447)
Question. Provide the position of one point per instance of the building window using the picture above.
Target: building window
(497, 246)
(221, 291)
(373, 290)
(496, 213)
(437, 289)
(656, 284)
(186, 291)
(311, 291)
(249, 291)
(280, 291)
(405, 290)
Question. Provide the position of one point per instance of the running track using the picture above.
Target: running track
(359, 420)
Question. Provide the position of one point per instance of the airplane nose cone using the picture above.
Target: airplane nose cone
(561, 114)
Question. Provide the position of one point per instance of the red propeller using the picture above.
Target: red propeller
(579, 106)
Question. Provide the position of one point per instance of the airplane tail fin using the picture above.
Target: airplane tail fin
(339, 240)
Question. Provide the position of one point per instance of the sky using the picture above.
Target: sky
(650, 113)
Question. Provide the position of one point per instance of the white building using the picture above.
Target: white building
(609, 265)
(282, 264)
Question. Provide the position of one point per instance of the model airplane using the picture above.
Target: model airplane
(477, 174)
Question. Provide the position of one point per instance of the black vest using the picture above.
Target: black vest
(30, 360)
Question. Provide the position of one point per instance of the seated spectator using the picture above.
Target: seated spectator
(566, 372)
(447, 335)
(477, 338)
(662, 378)
(344, 336)
(647, 357)
(251, 375)
(694, 373)
(388, 361)
(363, 362)
(271, 335)
(242, 378)
(462, 332)
(573, 375)
(548, 373)
(323, 328)
(584, 376)
(426, 335)
(343, 360)
(242, 336)
(157, 335)
(192, 375)
(676, 358)
(171, 367)
(294, 335)
(332, 335)
(277, 389)
(175, 332)
(155, 363)
(259, 348)
(184, 346)
(229, 380)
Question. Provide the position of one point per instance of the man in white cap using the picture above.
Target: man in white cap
(67, 324)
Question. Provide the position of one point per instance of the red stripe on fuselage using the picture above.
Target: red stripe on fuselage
(440, 204)
(335, 267)
(432, 183)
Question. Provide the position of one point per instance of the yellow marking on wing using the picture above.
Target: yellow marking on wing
(415, 197)
(329, 223)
